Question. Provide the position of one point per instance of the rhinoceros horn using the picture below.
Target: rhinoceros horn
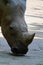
(28, 38)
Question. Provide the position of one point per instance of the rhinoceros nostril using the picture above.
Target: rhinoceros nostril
(14, 49)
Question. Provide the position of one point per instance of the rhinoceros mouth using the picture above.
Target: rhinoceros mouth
(19, 50)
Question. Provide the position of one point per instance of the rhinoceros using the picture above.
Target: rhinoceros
(14, 27)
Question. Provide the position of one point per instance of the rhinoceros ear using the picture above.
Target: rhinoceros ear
(28, 38)
(6, 1)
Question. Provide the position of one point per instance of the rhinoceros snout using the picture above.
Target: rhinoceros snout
(19, 50)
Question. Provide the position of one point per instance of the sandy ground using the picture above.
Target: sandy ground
(34, 20)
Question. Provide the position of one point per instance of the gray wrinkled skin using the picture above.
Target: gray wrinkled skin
(13, 25)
